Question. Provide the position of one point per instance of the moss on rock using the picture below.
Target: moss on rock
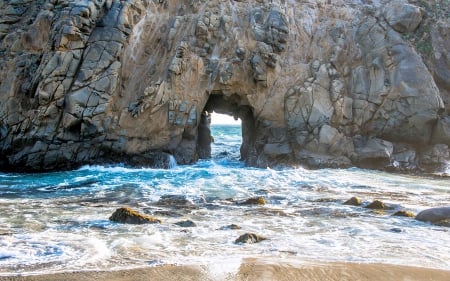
(130, 216)
(354, 201)
(377, 205)
(403, 213)
(255, 201)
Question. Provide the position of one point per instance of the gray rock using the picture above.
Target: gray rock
(441, 133)
(249, 238)
(438, 154)
(403, 17)
(434, 214)
(374, 148)
(187, 223)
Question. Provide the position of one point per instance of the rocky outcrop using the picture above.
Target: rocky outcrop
(316, 83)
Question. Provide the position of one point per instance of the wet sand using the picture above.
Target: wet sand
(254, 270)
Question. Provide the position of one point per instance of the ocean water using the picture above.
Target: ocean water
(59, 221)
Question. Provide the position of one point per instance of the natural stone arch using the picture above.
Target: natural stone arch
(323, 84)
(233, 106)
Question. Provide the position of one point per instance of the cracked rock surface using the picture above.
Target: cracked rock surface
(316, 83)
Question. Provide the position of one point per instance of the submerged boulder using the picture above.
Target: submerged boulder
(249, 238)
(230, 227)
(255, 201)
(354, 201)
(128, 215)
(434, 215)
(403, 213)
(377, 205)
(186, 223)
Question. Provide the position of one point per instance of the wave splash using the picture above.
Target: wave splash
(59, 221)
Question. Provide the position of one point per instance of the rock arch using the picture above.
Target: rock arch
(232, 106)
(319, 84)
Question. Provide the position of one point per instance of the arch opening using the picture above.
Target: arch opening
(232, 106)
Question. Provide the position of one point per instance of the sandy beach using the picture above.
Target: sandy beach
(254, 269)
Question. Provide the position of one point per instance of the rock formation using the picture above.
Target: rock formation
(316, 83)
(434, 214)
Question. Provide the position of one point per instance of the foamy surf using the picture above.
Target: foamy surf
(59, 221)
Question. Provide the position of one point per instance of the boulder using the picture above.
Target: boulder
(231, 226)
(177, 201)
(249, 238)
(374, 149)
(186, 223)
(403, 213)
(130, 216)
(434, 215)
(403, 17)
(255, 201)
(354, 201)
(377, 205)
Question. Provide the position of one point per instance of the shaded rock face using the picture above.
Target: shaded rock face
(326, 83)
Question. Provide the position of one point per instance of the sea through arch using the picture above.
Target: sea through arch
(213, 121)
(226, 132)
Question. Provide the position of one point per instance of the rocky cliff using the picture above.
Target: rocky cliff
(316, 83)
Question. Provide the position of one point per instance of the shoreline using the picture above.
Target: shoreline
(253, 269)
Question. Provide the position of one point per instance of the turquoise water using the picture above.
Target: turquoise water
(59, 221)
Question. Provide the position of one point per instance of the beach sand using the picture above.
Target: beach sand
(253, 270)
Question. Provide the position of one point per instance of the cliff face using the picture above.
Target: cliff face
(317, 83)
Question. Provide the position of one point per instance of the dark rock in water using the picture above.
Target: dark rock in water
(223, 154)
(396, 230)
(250, 238)
(377, 205)
(434, 215)
(168, 213)
(445, 223)
(354, 201)
(325, 200)
(174, 200)
(263, 191)
(267, 212)
(128, 215)
(187, 223)
(255, 201)
(403, 213)
(180, 202)
(231, 226)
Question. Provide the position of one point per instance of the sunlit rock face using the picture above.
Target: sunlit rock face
(316, 83)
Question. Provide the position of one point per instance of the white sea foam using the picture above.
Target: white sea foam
(57, 229)
(172, 162)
